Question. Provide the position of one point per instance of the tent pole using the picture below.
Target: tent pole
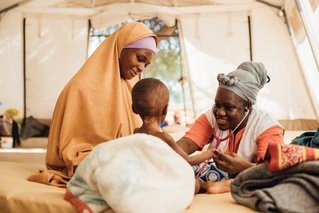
(88, 38)
(185, 66)
(286, 22)
(314, 98)
(9, 8)
(309, 30)
(269, 4)
(250, 43)
(24, 70)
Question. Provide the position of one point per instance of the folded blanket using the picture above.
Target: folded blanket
(137, 173)
(287, 182)
(293, 190)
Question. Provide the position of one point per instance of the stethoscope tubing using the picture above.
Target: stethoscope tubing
(218, 142)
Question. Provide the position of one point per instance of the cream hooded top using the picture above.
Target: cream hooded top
(95, 106)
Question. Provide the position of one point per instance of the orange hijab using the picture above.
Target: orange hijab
(95, 106)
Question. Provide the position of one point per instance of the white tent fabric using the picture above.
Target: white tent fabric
(215, 37)
(11, 62)
(202, 37)
(51, 41)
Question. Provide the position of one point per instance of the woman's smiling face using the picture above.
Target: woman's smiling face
(133, 61)
(228, 109)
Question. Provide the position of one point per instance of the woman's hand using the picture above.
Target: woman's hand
(230, 162)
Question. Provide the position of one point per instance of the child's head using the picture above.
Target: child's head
(150, 98)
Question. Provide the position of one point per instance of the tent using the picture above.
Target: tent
(44, 42)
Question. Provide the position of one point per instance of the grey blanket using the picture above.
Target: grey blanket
(292, 190)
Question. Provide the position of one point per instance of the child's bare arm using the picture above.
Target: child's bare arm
(170, 141)
(192, 160)
(197, 159)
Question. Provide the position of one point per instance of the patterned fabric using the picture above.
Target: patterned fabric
(210, 172)
(283, 156)
(136, 173)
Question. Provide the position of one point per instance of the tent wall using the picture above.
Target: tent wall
(273, 46)
(55, 50)
(11, 62)
(300, 37)
(215, 39)
(207, 55)
(218, 44)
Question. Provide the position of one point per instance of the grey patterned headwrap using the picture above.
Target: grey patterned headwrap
(246, 80)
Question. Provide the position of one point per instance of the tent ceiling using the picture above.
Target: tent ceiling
(7, 4)
(169, 3)
(32, 5)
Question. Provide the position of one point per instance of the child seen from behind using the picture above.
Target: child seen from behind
(150, 99)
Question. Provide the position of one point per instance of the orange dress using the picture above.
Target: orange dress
(202, 134)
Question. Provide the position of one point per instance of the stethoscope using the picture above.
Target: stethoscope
(220, 140)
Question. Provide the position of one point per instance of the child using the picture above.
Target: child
(135, 173)
(150, 101)
(134, 166)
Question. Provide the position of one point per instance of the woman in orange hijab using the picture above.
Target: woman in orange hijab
(95, 105)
